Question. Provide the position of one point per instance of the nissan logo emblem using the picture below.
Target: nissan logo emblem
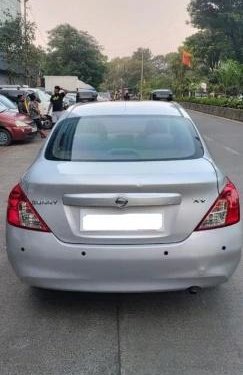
(121, 202)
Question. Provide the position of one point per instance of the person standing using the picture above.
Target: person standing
(126, 96)
(56, 104)
(22, 107)
(34, 113)
(77, 96)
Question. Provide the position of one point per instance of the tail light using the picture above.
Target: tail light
(224, 212)
(22, 214)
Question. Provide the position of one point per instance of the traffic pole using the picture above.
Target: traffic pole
(25, 40)
(142, 76)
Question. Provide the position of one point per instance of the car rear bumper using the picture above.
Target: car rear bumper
(205, 259)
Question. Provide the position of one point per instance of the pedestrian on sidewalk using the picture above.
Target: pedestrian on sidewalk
(56, 103)
(35, 114)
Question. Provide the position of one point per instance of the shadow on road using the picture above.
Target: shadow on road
(51, 299)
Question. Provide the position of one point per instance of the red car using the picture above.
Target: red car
(14, 126)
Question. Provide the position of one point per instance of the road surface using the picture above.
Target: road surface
(57, 333)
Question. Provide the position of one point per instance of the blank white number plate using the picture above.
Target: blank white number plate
(120, 221)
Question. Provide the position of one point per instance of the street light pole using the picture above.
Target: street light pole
(121, 87)
(25, 11)
(142, 76)
(25, 40)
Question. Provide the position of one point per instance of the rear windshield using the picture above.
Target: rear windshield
(124, 138)
(2, 108)
(5, 101)
(12, 94)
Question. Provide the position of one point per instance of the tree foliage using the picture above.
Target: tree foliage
(126, 72)
(217, 54)
(74, 52)
(223, 17)
(208, 49)
(21, 56)
(229, 75)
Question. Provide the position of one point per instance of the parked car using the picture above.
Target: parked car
(44, 100)
(8, 103)
(14, 126)
(70, 98)
(86, 95)
(104, 97)
(124, 197)
(162, 94)
(13, 86)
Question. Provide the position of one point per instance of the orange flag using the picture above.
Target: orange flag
(187, 59)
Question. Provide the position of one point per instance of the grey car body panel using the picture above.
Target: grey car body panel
(197, 261)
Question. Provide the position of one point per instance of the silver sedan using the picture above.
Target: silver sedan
(124, 197)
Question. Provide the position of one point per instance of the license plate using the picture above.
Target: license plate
(120, 222)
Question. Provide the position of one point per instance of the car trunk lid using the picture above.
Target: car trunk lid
(122, 202)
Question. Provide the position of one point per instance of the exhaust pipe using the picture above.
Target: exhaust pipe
(194, 289)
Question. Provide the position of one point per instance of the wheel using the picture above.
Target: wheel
(47, 123)
(5, 137)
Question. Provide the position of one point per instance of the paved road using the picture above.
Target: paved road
(58, 333)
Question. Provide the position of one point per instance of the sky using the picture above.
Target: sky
(120, 26)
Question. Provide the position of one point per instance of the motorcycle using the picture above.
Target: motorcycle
(46, 121)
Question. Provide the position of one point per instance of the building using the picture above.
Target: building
(13, 7)
(9, 6)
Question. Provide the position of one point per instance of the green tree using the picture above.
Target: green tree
(229, 75)
(117, 74)
(177, 71)
(160, 75)
(159, 72)
(140, 55)
(74, 52)
(17, 48)
(220, 16)
(126, 71)
(159, 64)
(208, 49)
(36, 63)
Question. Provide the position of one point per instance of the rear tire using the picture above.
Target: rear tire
(5, 137)
(47, 123)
